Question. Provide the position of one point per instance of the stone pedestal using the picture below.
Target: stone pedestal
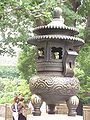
(54, 117)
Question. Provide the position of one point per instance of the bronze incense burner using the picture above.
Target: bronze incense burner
(56, 52)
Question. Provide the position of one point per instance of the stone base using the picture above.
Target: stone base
(54, 117)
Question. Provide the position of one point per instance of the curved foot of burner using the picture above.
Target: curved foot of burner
(72, 104)
(36, 102)
(51, 109)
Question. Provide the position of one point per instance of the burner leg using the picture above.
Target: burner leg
(51, 109)
(72, 105)
(36, 102)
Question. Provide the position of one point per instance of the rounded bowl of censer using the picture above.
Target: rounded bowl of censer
(54, 89)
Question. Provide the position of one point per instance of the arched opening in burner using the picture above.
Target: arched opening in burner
(56, 53)
(40, 53)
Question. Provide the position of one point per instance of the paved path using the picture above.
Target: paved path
(54, 117)
(50, 117)
(2, 118)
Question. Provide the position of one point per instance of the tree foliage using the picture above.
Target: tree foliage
(11, 87)
(18, 17)
(9, 72)
(26, 63)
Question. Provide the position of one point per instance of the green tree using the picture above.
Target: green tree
(7, 91)
(18, 17)
(23, 88)
(26, 63)
(9, 72)
(9, 88)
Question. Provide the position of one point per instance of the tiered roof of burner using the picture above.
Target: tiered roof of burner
(56, 30)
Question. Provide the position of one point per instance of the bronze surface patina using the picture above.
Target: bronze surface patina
(56, 52)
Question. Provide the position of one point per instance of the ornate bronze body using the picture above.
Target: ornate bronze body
(57, 50)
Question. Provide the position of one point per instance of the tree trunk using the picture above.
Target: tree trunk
(87, 29)
(75, 4)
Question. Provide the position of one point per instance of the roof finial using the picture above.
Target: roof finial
(57, 18)
(57, 12)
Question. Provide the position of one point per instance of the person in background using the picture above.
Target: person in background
(14, 108)
(20, 96)
(30, 106)
(21, 106)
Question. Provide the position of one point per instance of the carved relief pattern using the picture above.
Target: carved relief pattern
(54, 85)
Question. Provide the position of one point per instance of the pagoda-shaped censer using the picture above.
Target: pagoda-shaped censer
(56, 52)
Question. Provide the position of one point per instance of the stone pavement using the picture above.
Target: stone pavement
(54, 117)
(51, 117)
(2, 118)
